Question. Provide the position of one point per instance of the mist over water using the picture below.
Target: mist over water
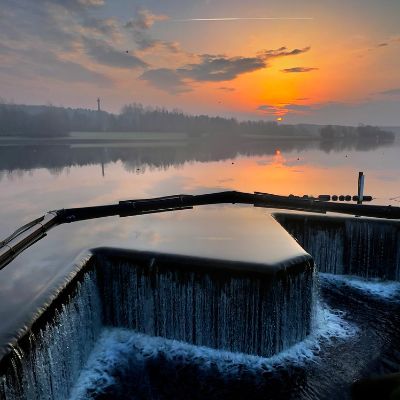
(35, 178)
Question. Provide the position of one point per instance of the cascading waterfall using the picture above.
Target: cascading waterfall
(348, 246)
(242, 312)
(48, 366)
(254, 312)
(133, 300)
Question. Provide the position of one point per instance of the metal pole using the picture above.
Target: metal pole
(360, 192)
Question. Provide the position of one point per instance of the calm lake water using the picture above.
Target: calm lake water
(37, 178)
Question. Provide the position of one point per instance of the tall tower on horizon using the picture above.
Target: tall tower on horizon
(98, 104)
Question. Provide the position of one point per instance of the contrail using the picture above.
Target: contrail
(241, 19)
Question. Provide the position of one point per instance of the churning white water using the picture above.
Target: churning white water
(118, 350)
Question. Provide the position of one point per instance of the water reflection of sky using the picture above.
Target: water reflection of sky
(235, 232)
(27, 193)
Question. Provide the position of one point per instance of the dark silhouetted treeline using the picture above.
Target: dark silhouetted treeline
(363, 134)
(50, 121)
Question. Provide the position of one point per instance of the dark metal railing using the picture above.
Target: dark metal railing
(36, 230)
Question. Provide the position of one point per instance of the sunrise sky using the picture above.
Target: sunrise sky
(314, 61)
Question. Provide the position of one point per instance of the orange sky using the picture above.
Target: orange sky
(314, 61)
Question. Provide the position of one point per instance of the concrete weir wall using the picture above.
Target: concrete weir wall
(226, 305)
(223, 305)
(364, 247)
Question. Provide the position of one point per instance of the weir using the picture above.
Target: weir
(260, 307)
(226, 305)
(364, 247)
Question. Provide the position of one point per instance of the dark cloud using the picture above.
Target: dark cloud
(283, 52)
(267, 108)
(391, 92)
(139, 27)
(219, 69)
(275, 110)
(299, 69)
(209, 69)
(165, 79)
(105, 54)
(213, 68)
(382, 44)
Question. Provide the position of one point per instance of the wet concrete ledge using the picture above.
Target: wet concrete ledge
(364, 247)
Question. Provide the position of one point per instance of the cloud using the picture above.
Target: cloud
(32, 63)
(298, 107)
(270, 109)
(105, 54)
(209, 69)
(283, 52)
(382, 44)
(282, 109)
(102, 26)
(391, 92)
(219, 68)
(214, 68)
(299, 69)
(165, 79)
(74, 4)
(139, 27)
(227, 89)
(144, 20)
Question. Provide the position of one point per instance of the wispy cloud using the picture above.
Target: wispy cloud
(227, 89)
(299, 69)
(391, 92)
(283, 109)
(140, 25)
(283, 52)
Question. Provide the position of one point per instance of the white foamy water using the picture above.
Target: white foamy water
(389, 290)
(117, 349)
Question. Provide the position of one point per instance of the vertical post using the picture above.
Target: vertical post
(360, 193)
(98, 104)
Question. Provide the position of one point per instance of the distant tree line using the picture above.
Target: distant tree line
(50, 121)
(355, 134)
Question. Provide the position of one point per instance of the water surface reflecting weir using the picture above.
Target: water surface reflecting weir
(257, 308)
